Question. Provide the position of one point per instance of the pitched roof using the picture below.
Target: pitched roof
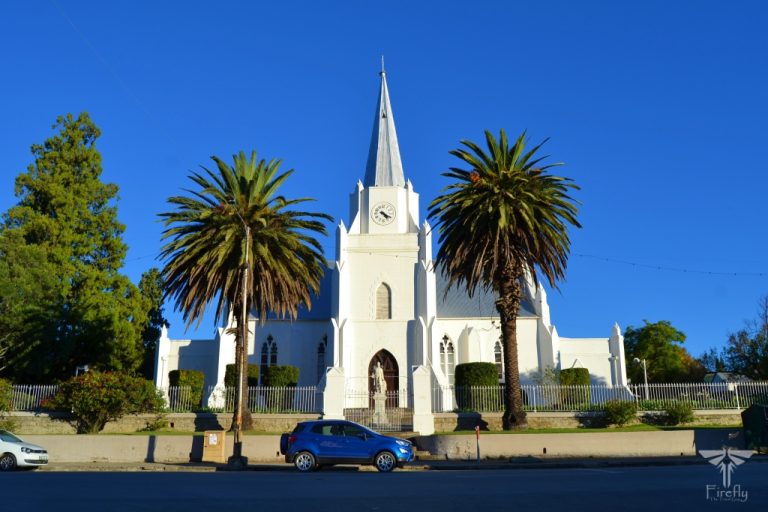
(457, 303)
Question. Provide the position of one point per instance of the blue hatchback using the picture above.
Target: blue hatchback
(313, 444)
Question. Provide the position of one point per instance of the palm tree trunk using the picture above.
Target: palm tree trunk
(508, 306)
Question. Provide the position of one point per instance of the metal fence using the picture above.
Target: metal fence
(182, 399)
(261, 399)
(31, 397)
(543, 398)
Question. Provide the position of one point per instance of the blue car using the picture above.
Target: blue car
(314, 444)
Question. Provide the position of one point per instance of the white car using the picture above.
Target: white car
(17, 453)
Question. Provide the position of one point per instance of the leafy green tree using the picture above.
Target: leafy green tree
(66, 222)
(236, 224)
(660, 345)
(151, 288)
(746, 351)
(504, 219)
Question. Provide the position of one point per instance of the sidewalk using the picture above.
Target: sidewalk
(428, 465)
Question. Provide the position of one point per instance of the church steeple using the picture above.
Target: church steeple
(384, 168)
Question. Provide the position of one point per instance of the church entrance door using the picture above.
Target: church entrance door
(391, 376)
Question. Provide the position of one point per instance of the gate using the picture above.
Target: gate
(394, 418)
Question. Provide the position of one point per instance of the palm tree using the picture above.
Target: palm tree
(237, 242)
(504, 220)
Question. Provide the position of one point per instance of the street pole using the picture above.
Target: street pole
(645, 378)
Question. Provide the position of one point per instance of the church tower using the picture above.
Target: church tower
(376, 265)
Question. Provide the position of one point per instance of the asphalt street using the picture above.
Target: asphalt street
(336, 489)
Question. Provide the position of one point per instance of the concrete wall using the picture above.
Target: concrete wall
(452, 422)
(31, 423)
(165, 448)
(597, 444)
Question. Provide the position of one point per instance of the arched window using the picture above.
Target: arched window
(268, 356)
(321, 359)
(448, 359)
(499, 360)
(383, 302)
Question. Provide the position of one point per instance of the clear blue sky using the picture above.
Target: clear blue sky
(659, 110)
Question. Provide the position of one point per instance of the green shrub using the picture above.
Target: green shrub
(230, 375)
(577, 397)
(281, 376)
(193, 379)
(96, 398)
(476, 374)
(619, 412)
(477, 388)
(574, 377)
(6, 402)
(6, 395)
(678, 412)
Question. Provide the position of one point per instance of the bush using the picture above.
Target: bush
(193, 379)
(281, 376)
(476, 374)
(574, 377)
(96, 398)
(477, 388)
(678, 412)
(576, 397)
(6, 402)
(6, 395)
(619, 412)
(230, 375)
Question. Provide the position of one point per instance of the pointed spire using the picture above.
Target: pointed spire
(384, 167)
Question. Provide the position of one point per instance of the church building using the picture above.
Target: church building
(382, 302)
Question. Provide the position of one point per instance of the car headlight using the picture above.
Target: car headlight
(403, 443)
(26, 450)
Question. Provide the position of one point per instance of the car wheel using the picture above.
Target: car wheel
(7, 462)
(385, 461)
(304, 461)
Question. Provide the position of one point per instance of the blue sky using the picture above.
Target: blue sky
(658, 110)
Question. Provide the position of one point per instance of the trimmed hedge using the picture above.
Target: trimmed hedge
(194, 379)
(574, 377)
(476, 374)
(477, 387)
(281, 376)
(575, 397)
(231, 374)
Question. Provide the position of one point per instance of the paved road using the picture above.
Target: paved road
(611, 489)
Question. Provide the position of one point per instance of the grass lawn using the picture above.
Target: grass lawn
(640, 427)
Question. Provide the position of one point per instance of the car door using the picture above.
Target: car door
(357, 444)
(329, 442)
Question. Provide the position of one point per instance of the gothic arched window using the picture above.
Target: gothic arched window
(268, 356)
(383, 302)
(320, 360)
(448, 359)
(499, 360)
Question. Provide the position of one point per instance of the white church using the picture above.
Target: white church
(381, 301)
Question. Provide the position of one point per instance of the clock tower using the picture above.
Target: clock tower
(377, 266)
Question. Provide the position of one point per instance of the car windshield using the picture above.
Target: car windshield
(8, 437)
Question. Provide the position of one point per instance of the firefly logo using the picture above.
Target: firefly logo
(726, 460)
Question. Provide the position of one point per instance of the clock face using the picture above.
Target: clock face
(383, 213)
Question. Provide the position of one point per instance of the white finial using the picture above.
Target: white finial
(382, 65)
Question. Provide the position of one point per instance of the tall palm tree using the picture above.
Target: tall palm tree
(236, 242)
(504, 219)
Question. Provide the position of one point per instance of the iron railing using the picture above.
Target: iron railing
(261, 399)
(552, 398)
